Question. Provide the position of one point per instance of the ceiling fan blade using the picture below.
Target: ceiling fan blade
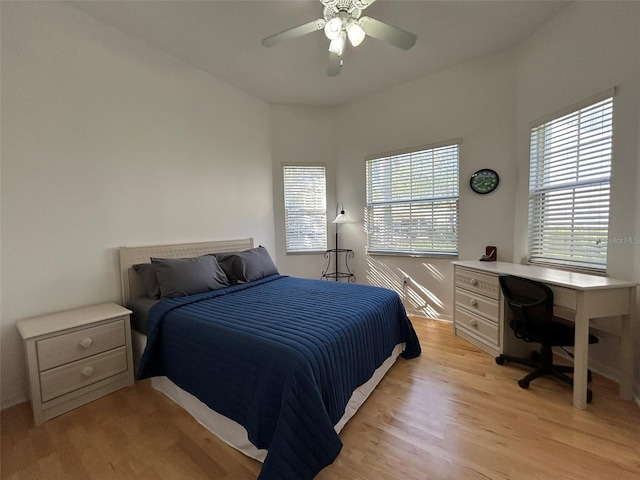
(388, 33)
(294, 32)
(335, 64)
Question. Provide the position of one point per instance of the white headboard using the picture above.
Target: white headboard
(129, 256)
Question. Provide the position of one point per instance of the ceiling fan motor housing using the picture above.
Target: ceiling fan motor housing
(344, 9)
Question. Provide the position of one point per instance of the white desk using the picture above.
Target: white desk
(589, 296)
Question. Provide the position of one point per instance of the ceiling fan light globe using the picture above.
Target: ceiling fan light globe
(333, 28)
(355, 33)
(337, 45)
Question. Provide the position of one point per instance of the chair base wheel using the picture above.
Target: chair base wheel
(524, 383)
(500, 360)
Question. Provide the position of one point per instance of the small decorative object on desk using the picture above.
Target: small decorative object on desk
(491, 254)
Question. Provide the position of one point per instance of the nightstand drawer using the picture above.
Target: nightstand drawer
(70, 377)
(477, 325)
(478, 304)
(72, 346)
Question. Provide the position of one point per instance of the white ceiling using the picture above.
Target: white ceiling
(223, 38)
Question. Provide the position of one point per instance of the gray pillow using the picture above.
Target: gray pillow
(247, 266)
(149, 280)
(178, 277)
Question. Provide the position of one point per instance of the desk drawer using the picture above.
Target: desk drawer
(478, 325)
(564, 297)
(70, 377)
(72, 346)
(478, 282)
(479, 304)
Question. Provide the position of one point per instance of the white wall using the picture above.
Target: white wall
(302, 135)
(108, 142)
(586, 49)
(474, 102)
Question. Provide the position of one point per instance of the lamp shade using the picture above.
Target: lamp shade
(337, 44)
(355, 33)
(333, 28)
(343, 217)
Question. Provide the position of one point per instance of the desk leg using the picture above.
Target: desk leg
(581, 354)
(626, 349)
(626, 359)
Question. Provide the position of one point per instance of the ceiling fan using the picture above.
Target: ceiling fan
(342, 20)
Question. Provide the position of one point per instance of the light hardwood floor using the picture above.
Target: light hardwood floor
(452, 413)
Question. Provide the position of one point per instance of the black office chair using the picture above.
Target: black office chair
(532, 320)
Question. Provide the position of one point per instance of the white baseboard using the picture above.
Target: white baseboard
(420, 314)
(606, 371)
(13, 401)
(595, 366)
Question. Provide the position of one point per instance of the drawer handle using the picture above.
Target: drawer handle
(473, 323)
(86, 342)
(474, 281)
(473, 302)
(87, 371)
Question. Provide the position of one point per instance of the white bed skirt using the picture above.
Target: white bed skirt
(234, 434)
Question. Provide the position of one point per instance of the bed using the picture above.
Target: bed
(273, 365)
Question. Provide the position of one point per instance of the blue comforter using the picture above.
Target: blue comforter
(280, 356)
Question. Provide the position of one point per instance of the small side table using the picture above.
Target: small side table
(334, 254)
(76, 356)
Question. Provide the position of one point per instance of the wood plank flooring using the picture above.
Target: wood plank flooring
(450, 414)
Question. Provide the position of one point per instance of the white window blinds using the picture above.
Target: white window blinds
(412, 202)
(305, 207)
(569, 189)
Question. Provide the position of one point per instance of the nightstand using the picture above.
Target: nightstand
(76, 356)
(336, 274)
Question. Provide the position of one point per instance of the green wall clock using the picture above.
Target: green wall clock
(484, 181)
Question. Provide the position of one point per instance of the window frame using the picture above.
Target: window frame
(589, 193)
(405, 206)
(307, 215)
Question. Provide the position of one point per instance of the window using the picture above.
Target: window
(412, 201)
(569, 187)
(305, 208)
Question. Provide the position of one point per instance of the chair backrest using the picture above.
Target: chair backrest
(530, 302)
